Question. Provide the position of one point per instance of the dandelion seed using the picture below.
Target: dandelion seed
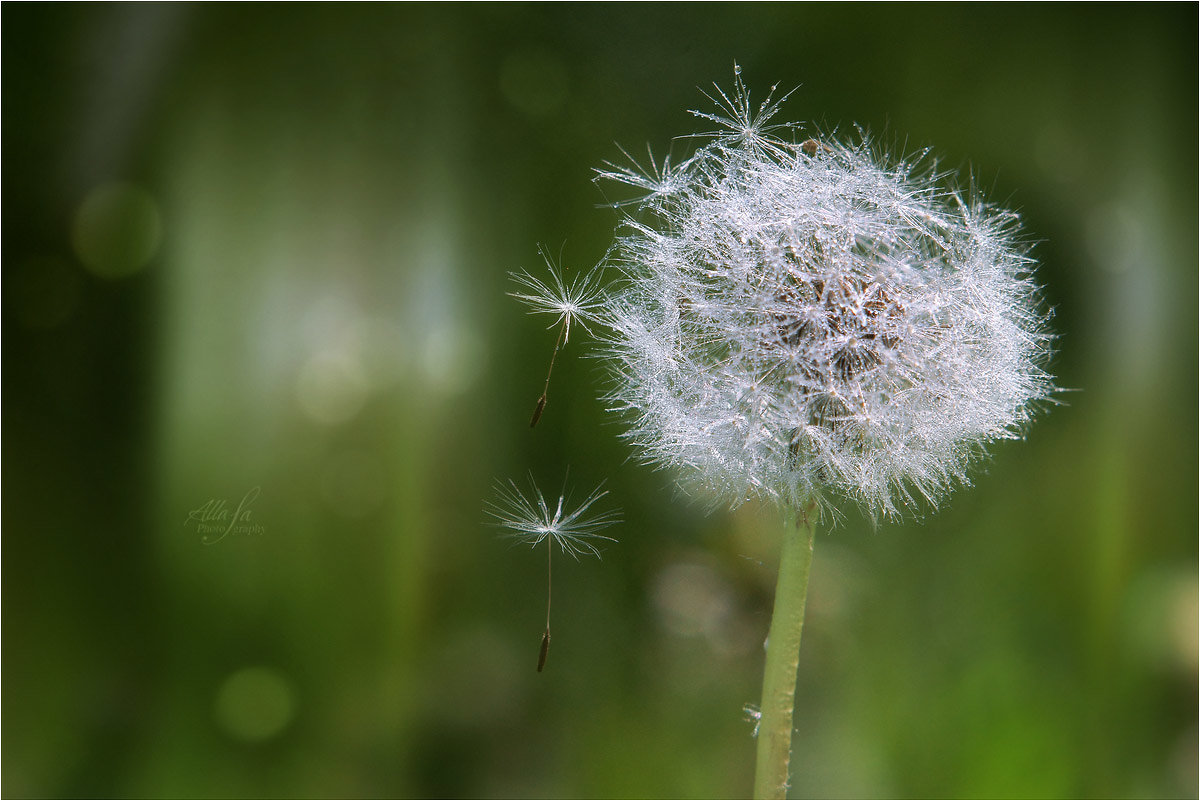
(544, 651)
(540, 406)
(752, 714)
(577, 301)
(574, 302)
(531, 521)
(811, 146)
(657, 180)
(739, 127)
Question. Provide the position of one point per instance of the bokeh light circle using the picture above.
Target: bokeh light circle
(117, 230)
(254, 704)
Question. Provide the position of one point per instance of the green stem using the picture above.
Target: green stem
(783, 657)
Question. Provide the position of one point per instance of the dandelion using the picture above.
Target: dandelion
(531, 521)
(574, 302)
(805, 322)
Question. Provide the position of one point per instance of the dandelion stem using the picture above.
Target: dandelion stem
(541, 402)
(783, 656)
(545, 649)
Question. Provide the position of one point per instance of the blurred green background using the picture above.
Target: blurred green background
(265, 248)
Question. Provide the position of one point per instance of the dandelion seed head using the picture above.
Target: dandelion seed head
(796, 320)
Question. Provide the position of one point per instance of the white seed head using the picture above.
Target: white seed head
(796, 319)
(531, 520)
